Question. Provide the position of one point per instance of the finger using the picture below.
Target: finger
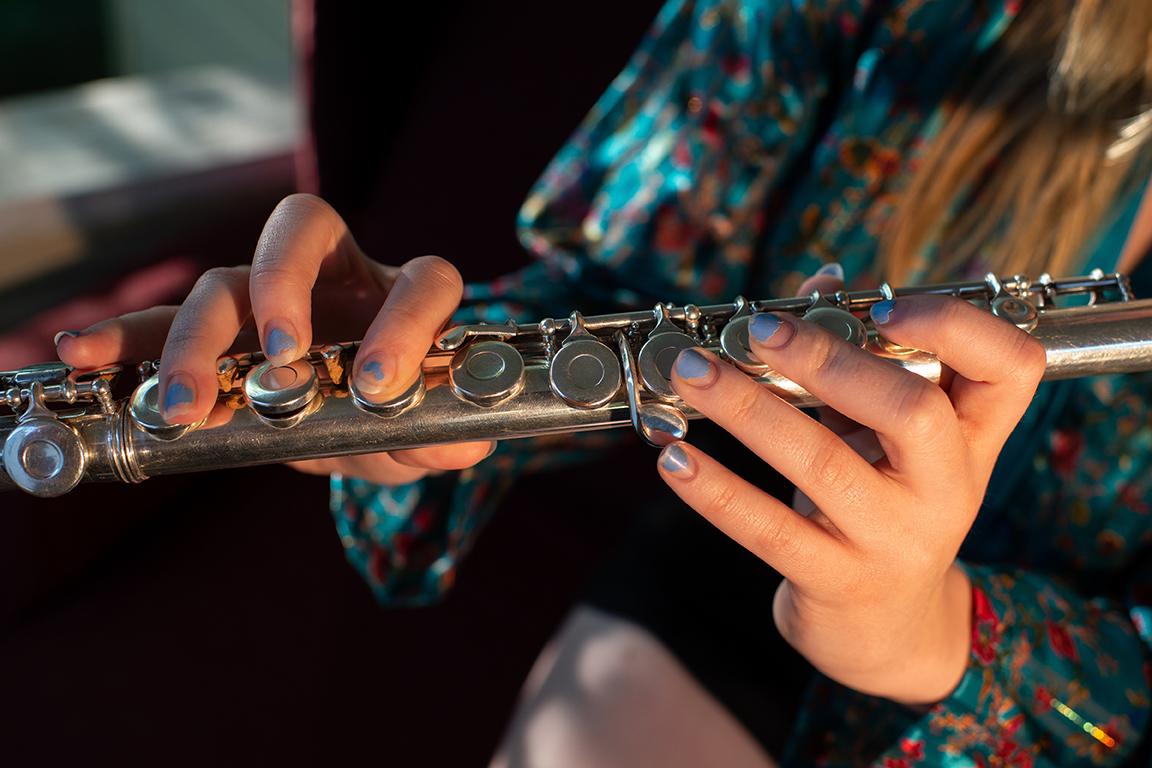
(795, 546)
(132, 337)
(401, 466)
(374, 467)
(201, 332)
(426, 293)
(828, 279)
(864, 442)
(301, 235)
(912, 416)
(995, 379)
(220, 415)
(816, 460)
(445, 457)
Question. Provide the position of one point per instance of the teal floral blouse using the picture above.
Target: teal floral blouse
(747, 143)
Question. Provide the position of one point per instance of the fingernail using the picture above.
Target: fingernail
(179, 396)
(694, 367)
(763, 326)
(280, 343)
(832, 269)
(492, 449)
(881, 311)
(62, 334)
(375, 374)
(676, 460)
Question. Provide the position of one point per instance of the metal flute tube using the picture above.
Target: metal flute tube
(1102, 339)
(1096, 340)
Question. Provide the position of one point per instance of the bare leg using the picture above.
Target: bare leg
(607, 693)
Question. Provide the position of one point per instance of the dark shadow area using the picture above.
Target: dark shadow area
(223, 627)
(39, 55)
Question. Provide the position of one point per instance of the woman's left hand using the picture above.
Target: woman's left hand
(872, 595)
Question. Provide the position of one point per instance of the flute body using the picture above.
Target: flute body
(490, 381)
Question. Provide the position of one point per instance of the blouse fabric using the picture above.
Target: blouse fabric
(747, 143)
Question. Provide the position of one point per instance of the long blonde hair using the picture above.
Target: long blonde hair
(1053, 125)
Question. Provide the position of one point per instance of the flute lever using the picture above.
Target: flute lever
(657, 423)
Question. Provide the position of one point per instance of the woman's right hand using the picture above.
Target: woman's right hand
(307, 273)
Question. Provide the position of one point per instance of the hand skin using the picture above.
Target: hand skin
(872, 595)
(305, 259)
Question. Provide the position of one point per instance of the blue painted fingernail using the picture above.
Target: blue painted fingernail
(375, 369)
(832, 269)
(694, 367)
(62, 334)
(675, 459)
(279, 341)
(375, 375)
(179, 396)
(763, 326)
(881, 311)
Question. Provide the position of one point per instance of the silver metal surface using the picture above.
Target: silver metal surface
(42, 455)
(585, 373)
(658, 354)
(281, 390)
(1020, 312)
(45, 457)
(410, 397)
(658, 424)
(1104, 338)
(487, 372)
(66, 426)
(734, 340)
(840, 322)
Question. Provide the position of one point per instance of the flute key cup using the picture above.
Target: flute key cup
(487, 373)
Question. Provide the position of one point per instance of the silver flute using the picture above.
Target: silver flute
(504, 381)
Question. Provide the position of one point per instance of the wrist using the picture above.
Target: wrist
(922, 654)
(939, 653)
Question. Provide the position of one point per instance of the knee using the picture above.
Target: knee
(620, 667)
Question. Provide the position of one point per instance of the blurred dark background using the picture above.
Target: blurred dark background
(212, 619)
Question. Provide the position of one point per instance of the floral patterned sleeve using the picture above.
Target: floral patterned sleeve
(613, 225)
(1053, 679)
(1053, 676)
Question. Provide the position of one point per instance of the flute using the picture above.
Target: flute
(504, 381)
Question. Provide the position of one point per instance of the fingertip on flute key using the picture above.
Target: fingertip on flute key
(376, 374)
(832, 269)
(770, 330)
(695, 368)
(881, 311)
(280, 343)
(65, 335)
(179, 397)
(676, 461)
